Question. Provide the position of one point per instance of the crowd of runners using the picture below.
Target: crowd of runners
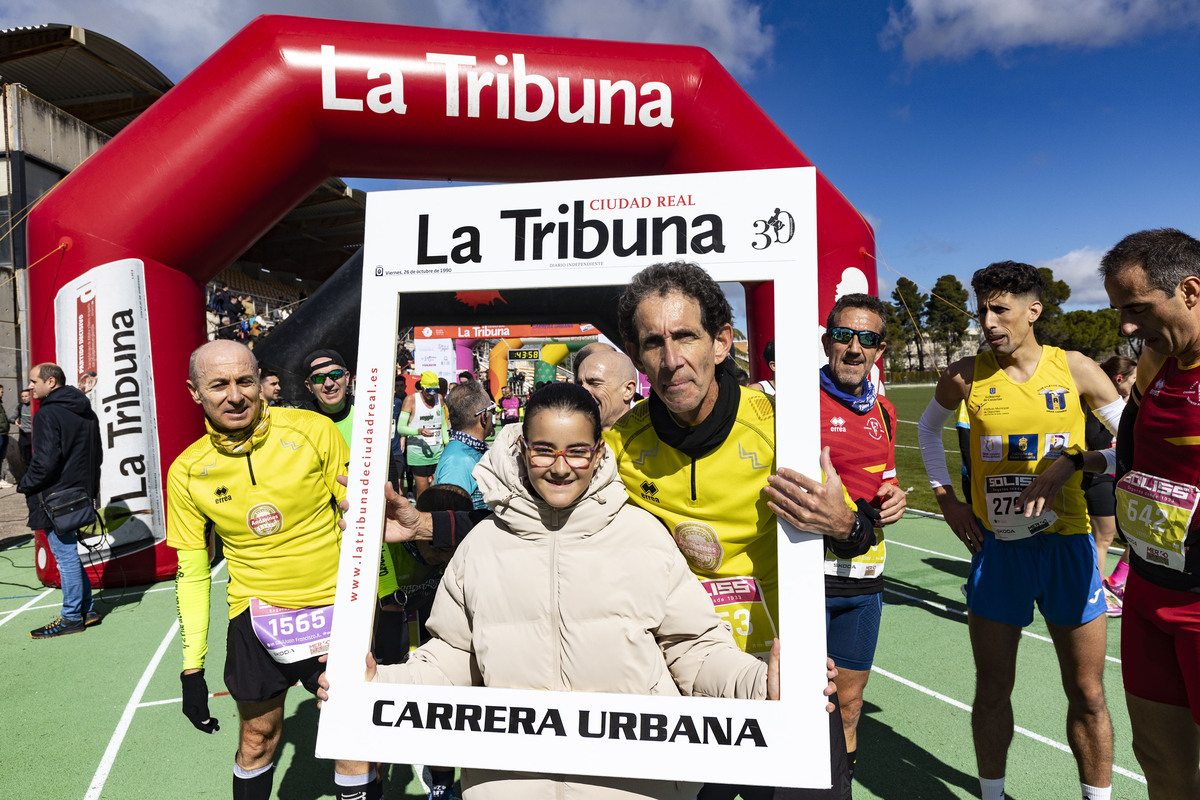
(696, 461)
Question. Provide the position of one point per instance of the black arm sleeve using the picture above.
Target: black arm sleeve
(864, 537)
(451, 527)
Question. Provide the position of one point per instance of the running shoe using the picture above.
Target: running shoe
(1117, 589)
(57, 627)
(444, 793)
(1113, 604)
(91, 618)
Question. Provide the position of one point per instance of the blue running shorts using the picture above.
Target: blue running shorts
(1057, 571)
(852, 629)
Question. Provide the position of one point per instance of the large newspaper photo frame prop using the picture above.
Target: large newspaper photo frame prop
(741, 226)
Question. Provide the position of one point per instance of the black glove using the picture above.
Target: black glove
(195, 702)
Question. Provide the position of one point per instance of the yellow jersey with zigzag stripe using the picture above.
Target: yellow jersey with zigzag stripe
(275, 509)
(713, 506)
(1017, 430)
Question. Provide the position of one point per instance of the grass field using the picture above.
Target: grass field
(910, 402)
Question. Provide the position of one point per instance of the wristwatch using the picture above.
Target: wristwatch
(858, 531)
(1076, 459)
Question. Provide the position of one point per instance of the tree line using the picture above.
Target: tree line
(936, 324)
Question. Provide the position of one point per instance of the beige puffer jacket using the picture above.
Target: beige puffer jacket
(595, 598)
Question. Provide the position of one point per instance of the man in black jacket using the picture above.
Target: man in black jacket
(66, 454)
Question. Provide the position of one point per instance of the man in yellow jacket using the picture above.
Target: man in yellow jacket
(265, 480)
(700, 456)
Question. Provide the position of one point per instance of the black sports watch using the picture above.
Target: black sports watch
(1077, 460)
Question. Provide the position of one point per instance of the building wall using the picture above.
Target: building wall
(41, 144)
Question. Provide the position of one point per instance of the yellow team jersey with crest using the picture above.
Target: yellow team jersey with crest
(1017, 430)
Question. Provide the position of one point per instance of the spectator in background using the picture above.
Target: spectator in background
(24, 422)
(227, 330)
(471, 423)
(4, 426)
(422, 420)
(268, 379)
(398, 465)
(67, 455)
(463, 377)
(611, 379)
(582, 354)
(510, 407)
(767, 385)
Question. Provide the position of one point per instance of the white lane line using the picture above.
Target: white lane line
(961, 612)
(890, 540)
(27, 607)
(118, 737)
(1037, 737)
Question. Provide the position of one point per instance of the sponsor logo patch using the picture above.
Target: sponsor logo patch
(699, 544)
(264, 519)
(1023, 447)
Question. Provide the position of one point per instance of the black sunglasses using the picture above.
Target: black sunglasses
(865, 338)
(333, 375)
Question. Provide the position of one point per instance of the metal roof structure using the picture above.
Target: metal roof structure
(90, 76)
(106, 85)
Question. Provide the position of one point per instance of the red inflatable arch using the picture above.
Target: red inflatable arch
(290, 101)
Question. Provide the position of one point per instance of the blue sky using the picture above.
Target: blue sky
(965, 131)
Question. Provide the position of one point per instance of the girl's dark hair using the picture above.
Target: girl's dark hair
(564, 397)
(1117, 365)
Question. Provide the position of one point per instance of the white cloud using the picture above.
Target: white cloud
(957, 29)
(1079, 268)
(732, 30)
(177, 36)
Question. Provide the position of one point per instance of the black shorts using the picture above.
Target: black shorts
(423, 470)
(252, 676)
(1101, 502)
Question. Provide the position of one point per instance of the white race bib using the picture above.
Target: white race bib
(1006, 519)
(291, 634)
(1155, 515)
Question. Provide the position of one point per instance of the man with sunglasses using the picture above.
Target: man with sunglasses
(422, 421)
(471, 423)
(328, 381)
(857, 426)
(1026, 523)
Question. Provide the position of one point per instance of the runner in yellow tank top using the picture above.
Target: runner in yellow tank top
(1026, 450)
(1017, 430)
